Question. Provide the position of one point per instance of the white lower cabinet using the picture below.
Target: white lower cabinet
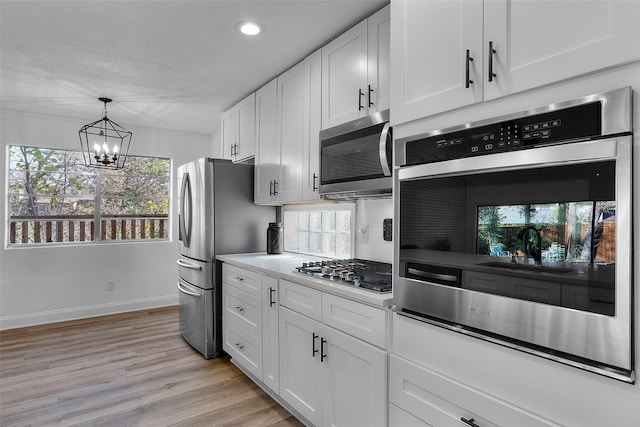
(323, 355)
(331, 378)
(420, 396)
(270, 326)
(250, 322)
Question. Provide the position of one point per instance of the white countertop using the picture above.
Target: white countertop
(283, 266)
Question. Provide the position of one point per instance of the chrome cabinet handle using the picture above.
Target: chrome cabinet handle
(270, 188)
(492, 51)
(469, 422)
(240, 309)
(360, 95)
(181, 263)
(239, 279)
(275, 187)
(468, 80)
(370, 90)
(240, 346)
(315, 187)
(235, 149)
(187, 292)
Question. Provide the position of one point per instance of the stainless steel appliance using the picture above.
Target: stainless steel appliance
(356, 159)
(368, 275)
(518, 230)
(217, 216)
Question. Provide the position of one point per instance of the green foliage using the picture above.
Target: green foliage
(46, 182)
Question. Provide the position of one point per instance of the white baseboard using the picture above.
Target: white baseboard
(32, 319)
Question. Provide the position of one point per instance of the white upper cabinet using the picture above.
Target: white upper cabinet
(290, 133)
(287, 135)
(312, 117)
(431, 39)
(539, 42)
(355, 77)
(452, 53)
(379, 60)
(267, 146)
(238, 130)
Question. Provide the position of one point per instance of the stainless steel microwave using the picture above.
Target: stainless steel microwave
(356, 159)
(518, 230)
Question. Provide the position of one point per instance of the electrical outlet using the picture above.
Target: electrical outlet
(387, 229)
(111, 285)
(363, 232)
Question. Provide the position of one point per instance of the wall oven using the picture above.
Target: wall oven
(518, 230)
(356, 159)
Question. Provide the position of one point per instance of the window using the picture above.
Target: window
(55, 199)
(323, 230)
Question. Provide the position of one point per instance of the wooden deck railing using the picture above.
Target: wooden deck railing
(81, 228)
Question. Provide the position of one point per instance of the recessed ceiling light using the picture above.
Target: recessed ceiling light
(249, 28)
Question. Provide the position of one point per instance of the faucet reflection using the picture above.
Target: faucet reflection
(532, 250)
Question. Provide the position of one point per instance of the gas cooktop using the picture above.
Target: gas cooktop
(368, 275)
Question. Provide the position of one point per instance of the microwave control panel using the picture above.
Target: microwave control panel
(571, 124)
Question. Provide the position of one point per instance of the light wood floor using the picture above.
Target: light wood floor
(131, 369)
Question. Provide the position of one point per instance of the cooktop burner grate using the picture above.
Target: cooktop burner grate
(369, 275)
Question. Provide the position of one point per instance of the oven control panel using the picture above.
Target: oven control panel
(572, 124)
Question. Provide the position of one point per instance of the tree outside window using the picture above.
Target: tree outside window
(55, 199)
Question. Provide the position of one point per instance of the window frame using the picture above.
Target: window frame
(98, 217)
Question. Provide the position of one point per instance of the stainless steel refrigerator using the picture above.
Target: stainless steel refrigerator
(216, 216)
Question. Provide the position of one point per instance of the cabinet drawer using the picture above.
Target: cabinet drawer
(360, 320)
(304, 300)
(400, 417)
(244, 348)
(242, 308)
(243, 279)
(439, 401)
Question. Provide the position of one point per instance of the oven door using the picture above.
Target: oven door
(531, 248)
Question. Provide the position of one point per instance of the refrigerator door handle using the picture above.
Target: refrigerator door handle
(181, 263)
(185, 210)
(187, 292)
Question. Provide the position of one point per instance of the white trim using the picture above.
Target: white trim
(33, 319)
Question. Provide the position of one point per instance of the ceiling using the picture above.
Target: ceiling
(169, 64)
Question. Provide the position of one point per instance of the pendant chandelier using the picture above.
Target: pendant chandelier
(105, 144)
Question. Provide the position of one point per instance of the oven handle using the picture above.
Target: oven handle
(384, 140)
(578, 152)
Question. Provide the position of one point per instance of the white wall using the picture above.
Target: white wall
(369, 218)
(48, 284)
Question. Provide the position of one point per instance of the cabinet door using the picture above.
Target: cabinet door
(300, 368)
(312, 126)
(538, 42)
(431, 39)
(267, 147)
(270, 368)
(344, 77)
(290, 133)
(355, 386)
(246, 129)
(229, 132)
(379, 61)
